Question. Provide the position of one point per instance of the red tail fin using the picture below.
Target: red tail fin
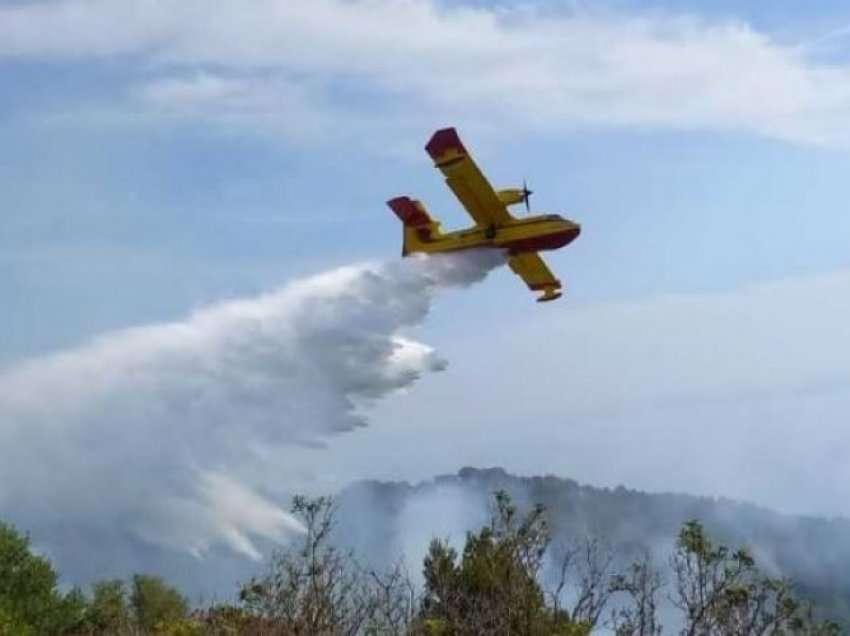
(411, 212)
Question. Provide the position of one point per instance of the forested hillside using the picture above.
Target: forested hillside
(480, 552)
(813, 552)
(495, 583)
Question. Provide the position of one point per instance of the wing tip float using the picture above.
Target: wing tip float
(550, 292)
(523, 238)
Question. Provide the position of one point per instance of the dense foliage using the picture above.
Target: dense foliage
(30, 602)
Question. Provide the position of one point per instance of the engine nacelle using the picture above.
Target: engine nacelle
(511, 196)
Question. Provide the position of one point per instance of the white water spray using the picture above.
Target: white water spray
(158, 431)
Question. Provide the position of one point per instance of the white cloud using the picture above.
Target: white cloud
(175, 433)
(262, 60)
(270, 105)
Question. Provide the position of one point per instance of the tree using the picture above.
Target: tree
(29, 599)
(108, 611)
(12, 625)
(155, 603)
(723, 593)
(394, 602)
(586, 568)
(638, 616)
(227, 620)
(494, 587)
(315, 590)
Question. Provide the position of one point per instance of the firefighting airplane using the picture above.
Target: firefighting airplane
(494, 226)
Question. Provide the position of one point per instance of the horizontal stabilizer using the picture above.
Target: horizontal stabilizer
(411, 212)
(445, 145)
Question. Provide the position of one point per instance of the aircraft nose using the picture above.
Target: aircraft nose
(572, 232)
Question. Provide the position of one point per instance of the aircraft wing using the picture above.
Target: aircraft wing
(466, 180)
(536, 274)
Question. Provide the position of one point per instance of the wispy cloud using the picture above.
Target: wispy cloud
(270, 105)
(268, 62)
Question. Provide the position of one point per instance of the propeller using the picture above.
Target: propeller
(526, 195)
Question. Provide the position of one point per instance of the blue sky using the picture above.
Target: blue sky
(157, 159)
(102, 191)
(92, 209)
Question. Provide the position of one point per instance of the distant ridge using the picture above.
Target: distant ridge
(813, 551)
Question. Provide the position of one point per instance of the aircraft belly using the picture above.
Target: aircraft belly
(516, 239)
(539, 240)
(551, 241)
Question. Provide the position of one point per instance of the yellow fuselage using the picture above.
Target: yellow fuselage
(546, 232)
